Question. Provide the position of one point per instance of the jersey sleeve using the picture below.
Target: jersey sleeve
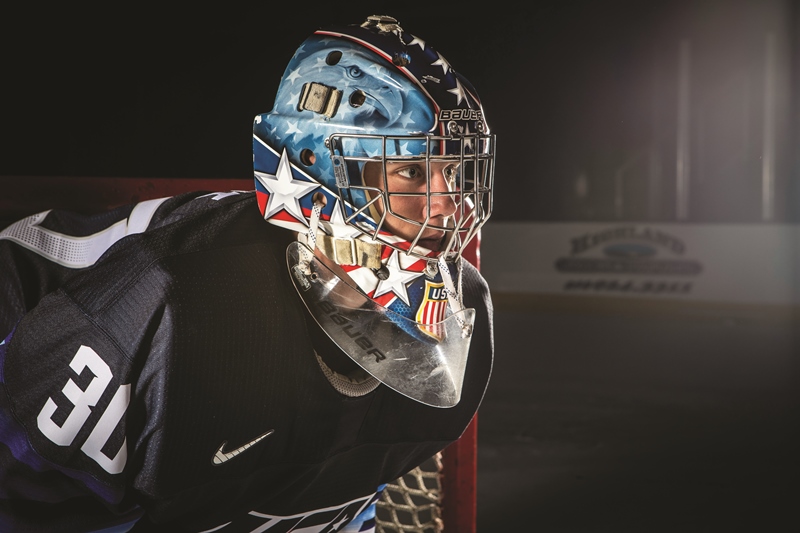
(41, 252)
(85, 344)
(64, 392)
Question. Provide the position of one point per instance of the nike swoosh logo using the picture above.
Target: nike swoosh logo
(222, 456)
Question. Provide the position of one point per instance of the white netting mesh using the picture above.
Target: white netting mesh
(412, 503)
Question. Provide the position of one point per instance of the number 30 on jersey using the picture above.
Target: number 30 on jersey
(82, 402)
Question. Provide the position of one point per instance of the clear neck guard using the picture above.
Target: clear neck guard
(425, 362)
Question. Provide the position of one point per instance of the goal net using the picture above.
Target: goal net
(412, 503)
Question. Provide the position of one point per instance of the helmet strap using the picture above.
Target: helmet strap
(350, 252)
(347, 252)
(453, 290)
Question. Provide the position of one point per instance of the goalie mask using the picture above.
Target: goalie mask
(378, 155)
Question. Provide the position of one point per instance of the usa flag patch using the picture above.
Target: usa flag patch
(432, 309)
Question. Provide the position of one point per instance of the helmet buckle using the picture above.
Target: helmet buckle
(320, 99)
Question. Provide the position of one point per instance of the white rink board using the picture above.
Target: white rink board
(728, 263)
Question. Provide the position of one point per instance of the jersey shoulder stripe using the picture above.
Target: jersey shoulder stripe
(77, 252)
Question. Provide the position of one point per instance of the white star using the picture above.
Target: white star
(321, 62)
(458, 91)
(373, 149)
(369, 125)
(397, 280)
(284, 191)
(406, 119)
(343, 111)
(274, 132)
(293, 128)
(418, 41)
(379, 69)
(295, 74)
(442, 62)
(293, 97)
(468, 140)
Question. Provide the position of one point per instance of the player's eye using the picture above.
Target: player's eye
(450, 173)
(412, 172)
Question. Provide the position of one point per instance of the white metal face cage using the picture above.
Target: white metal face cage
(470, 186)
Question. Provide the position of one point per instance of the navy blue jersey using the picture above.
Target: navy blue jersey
(158, 367)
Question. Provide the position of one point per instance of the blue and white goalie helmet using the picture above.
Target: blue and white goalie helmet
(374, 93)
(378, 154)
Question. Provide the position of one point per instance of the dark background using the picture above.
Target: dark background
(583, 95)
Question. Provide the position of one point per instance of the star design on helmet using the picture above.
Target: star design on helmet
(441, 62)
(468, 140)
(379, 69)
(416, 40)
(293, 128)
(459, 92)
(327, 40)
(344, 111)
(274, 132)
(294, 75)
(405, 119)
(293, 97)
(372, 150)
(284, 191)
(396, 282)
(370, 124)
